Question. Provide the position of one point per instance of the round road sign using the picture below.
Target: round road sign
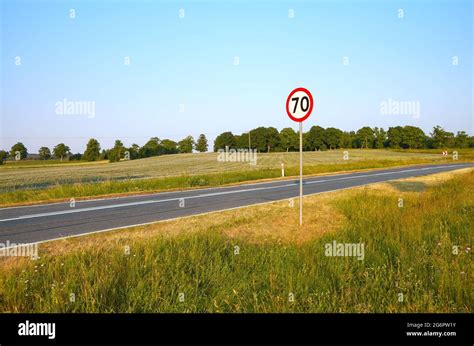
(299, 104)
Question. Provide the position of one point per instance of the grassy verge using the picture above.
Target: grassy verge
(257, 259)
(63, 192)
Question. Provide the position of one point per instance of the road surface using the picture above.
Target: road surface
(44, 222)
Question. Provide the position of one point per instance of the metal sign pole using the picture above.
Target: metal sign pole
(301, 173)
(299, 115)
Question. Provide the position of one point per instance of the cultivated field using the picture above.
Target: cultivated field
(26, 182)
(257, 259)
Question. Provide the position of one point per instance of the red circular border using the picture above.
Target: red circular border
(306, 91)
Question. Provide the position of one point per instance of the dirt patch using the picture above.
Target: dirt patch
(280, 222)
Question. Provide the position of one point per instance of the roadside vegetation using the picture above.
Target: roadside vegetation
(257, 259)
(25, 184)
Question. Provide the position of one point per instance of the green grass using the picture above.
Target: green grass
(408, 186)
(407, 250)
(34, 183)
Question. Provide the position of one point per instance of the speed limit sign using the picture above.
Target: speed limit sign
(299, 106)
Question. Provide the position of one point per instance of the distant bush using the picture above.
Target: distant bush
(75, 157)
(199, 181)
(3, 156)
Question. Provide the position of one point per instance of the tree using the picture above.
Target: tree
(117, 152)
(44, 153)
(19, 147)
(394, 136)
(333, 138)
(380, 137)
(461, 140)
(365, 137)
(289, 140)
(314, 139)
(412, 138)
(442, 138)
(272, 138)
(186, 145)
(242, 141)
(225, 139)
(169, 146)
(119, 146)
(75, 157)
(258, 137)
(113, 156)
(151, 148)
(3, 156)
(92, 152)
(265, 138)
(61, 150)
(201, 144)
(348, 139)
(104, 155)
(133, 151)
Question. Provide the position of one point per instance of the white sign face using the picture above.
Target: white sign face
(299, 104)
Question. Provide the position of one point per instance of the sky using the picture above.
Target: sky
(175, 68)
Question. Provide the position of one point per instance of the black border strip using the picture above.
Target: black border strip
(218, 329)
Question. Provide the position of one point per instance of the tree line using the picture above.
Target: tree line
(94, 152)
(269, 139)
(262, 139)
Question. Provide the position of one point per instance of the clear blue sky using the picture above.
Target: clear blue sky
(190, 61)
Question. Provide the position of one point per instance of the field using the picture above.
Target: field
(257, 259)
(27, 181)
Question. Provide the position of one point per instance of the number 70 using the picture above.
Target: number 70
(304, 104)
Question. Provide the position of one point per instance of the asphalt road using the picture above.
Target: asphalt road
(51, 221)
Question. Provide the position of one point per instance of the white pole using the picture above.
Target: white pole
(301, 173)
(282, 169)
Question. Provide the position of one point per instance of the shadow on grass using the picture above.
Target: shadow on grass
(408, 186)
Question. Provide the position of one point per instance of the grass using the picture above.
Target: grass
(23, 184)
(406, 186)
(408, 250)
